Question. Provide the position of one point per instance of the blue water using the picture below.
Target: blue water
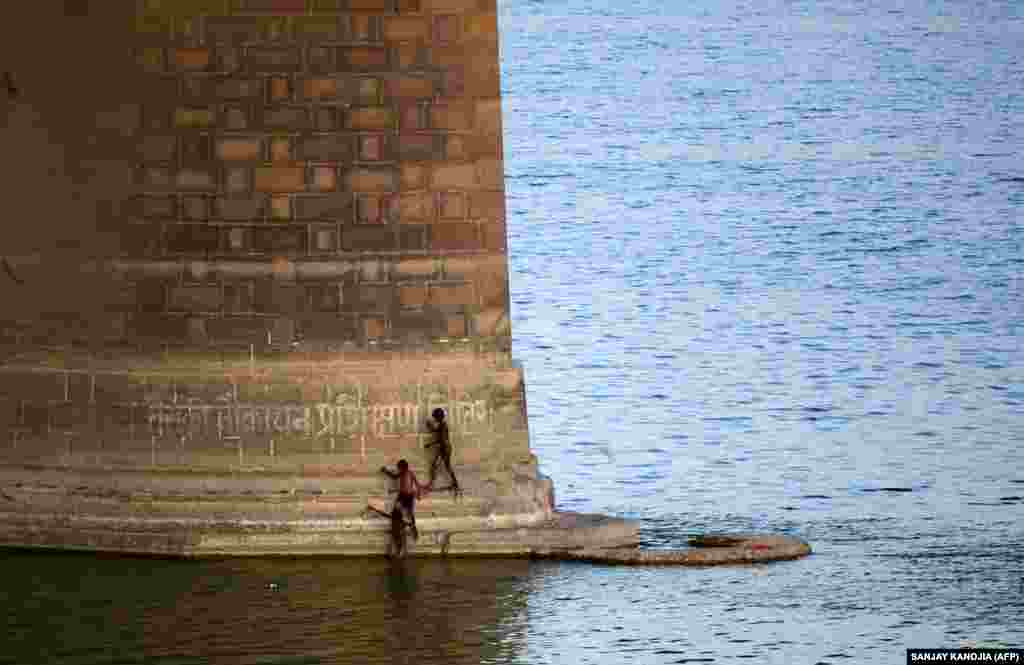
(765, 271)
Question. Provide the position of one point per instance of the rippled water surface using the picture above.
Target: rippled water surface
(766, 264)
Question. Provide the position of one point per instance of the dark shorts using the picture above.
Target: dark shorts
(406, 501)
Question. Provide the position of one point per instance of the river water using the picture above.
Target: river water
(766, 264)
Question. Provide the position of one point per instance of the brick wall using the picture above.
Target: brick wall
(326, 172)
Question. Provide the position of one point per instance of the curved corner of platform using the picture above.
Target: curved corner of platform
(709, 550)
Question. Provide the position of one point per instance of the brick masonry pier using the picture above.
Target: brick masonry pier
(248, 246)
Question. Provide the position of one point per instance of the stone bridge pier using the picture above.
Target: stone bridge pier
(248, 246)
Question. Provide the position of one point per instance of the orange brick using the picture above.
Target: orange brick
(477, 26)
(461, 294)
(375, 328)
(412, 296)
(238, 149)
(408, 87)
(366, 56)
(454, 176)
(409, 55)
(280, 207)
(405, 28)
(487, 205)
(491, 173)
(371, 117)
(449, 5)
(192, 58)
(491, 322)
(450, 116)
(416, 267)
(280, 89)
(455, 147)
(417, 206)
(413, 176)
(325, 178)
(495, 236)
(279, 179)
(371, 180)
(488, 116)
(320, 88)
(456, 326)
(452, 205)
(280, 150)
(455, 235)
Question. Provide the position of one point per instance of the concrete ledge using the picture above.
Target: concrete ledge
(706, 551)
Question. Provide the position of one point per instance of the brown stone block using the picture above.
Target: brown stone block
(410, 88)
(421, 268)
(371, 117)
(192, 59)
(371, 180)
(451, 116)
(488, 116)
(155, 207)
(482, 146)
(239, 209)
(287, 118)
(196, 298)
(237, 330)
(408, 6)
(195, 179)
(328, 328)
(487, 205)
(461, 294)
(233, 29)
(279, 179)
(370, 209)
(454, 176)
(491, 173)
(365, 57)
(326, 147)
(332, 207)
(192, 238)
(412, 296)
(413, 176)
(195, 208)
(368, 237)
(370, 5)
(157, 148)
(276, 6)
(416, 206)
(321, 87)
(237, 180)
(235, 88)
(416, 146)
(239, 149)
(412, 237)
(454, 235)
(277, 59)
(405, 28)
(367, 90)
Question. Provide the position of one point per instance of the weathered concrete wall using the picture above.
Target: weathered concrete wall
(248, 246)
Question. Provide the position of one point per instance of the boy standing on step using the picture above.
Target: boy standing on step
(444, 449)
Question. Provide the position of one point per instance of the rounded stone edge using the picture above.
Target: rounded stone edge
(745, 549)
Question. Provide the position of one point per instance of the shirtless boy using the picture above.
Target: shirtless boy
(409, 489)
